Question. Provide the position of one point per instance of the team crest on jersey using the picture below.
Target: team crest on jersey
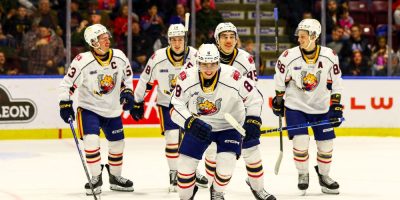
(236, 75)
(251, 59)
(106, 83)
(206, 107)
(182, 75)
(310, 81)
(285, 53)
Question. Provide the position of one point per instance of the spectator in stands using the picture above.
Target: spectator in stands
(356, 43)
(307, 15)
(152, 23)
(206, 21)
(396, 11)
(121, 24)
(337, 39)
(48, 16)
(332, 17)
(46, 51)
(18, 25)
(161, 41)
(358, 66)
(395, 71)
(380, 54)
(77, 38)
(179, 17)
(345, 21)
(6, 40)
(7, 68)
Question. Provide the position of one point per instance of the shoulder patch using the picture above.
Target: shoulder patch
(182, 75)
(334, 52)
(154, 55)
(78, 57)
(236, 75)
(285, 53)
(251, 59)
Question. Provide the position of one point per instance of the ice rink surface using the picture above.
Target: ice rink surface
(365, 167)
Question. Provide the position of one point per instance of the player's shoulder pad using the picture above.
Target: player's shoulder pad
(290, 54)
(83, 59)
(159, 55)
(328, 52)
(230, 74)
(244, 58)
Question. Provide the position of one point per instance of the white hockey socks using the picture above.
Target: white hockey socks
(300, 152)
(226, 162)
(186, 176)
(210, 164)
(115, 156)
(92, 152)
(324, 156)
(171, 148)
(255, 172)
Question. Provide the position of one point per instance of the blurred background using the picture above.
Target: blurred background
(364, 33)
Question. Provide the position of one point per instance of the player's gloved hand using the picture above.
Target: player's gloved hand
(252, 126)
(278, 106)
(137, 111)
(126, 98)
(336, 111)
(66, 110)
(198, 128)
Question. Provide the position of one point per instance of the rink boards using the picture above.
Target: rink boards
(29, 109)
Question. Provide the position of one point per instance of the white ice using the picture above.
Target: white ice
(365, 167)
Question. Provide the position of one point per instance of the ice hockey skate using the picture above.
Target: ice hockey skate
(214, 195)
(97, 182)
(304, 180)
(201, 180)
(119, 183)
(328, 185)
(262, 195)
(173, 182)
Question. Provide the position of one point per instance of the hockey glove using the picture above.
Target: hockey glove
(66, 110)
(198, 128)
(252, 126)
(137, 111)
(336, 111)
(278, 106)
(126, 98)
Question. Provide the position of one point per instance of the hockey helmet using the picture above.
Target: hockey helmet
(222, 27)
(93, 32)
(208, 53)
(311, 25)
(175, 30)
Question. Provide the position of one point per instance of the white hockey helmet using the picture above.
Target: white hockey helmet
(311, 25)
(93, 32)
(207, 53)
(175, 30)
(222, 27)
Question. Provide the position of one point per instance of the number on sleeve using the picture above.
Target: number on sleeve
(248, 86)
(147, 70)
(252, 75)
(72, 72)
(281, 67)
(178, 91)
(336, 69)
(128, 71)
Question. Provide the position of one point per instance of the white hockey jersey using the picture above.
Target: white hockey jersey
(231, 93)
(162, 68)
(308, 83)
(99, 82)
(244, 62)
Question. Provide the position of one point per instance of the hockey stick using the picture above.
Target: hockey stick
(187, 16)
(305, 125)
(80, 154)
(232, 121)
(278, 162)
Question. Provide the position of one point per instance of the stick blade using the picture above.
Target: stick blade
(278, 163)
(232, 121)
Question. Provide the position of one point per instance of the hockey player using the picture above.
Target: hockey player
(204, 93)
(226, 38)
(103, 77)
(163, 67)
(307, 80)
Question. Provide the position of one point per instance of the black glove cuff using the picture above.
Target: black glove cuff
(253, 120)
(66, 104)
(189, 122)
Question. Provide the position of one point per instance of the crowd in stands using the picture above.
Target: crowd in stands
(33, 32)
(355, 30)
